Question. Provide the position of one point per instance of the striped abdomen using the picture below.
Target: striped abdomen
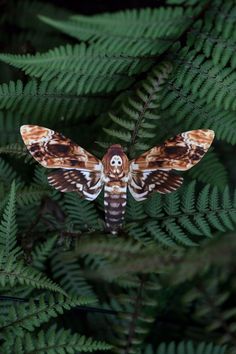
(114, 204)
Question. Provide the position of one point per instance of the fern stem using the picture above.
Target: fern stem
(135, 314)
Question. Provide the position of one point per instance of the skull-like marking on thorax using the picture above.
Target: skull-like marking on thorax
(115, 162)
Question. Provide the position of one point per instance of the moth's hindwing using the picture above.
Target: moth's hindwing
(87, 184)
(152, 171)
(144, 183)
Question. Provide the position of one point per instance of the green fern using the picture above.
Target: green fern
(215, 34)
(135, 124)
(178, 218)
(12, 274)
(201, 77)
(46, 101)
(8, 229)
(186, 348)
(31, 195)
(210, 170)
(81, 212)
(157, 24)
(84, 70)
(136, 308)
(68, 272)
(210, 296)
(8, 174)
(189, 112)
(16, 150)
(55, 341)
(30, 316)
(42, 252)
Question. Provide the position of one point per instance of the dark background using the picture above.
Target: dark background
(97, 6)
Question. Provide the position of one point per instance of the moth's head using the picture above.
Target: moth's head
(115, 161)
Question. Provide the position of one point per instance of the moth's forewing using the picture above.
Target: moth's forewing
(53, 150)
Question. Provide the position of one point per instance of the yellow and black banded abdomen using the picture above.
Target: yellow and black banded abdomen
(115, 195)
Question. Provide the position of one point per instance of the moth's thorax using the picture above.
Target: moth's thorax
(115, 162)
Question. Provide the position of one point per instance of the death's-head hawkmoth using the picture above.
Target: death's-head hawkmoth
(79, 171)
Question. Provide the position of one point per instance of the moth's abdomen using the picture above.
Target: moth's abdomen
(114, 205)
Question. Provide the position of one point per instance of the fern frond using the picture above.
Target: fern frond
(28, 316)
(210, 297)
(42, 252)
(8, 229)
(189, 112)
(8, 174)
(146, 24)
(81, 212)
(177, 222)
(187, 347)
(136, 122)
(31, 195)
(210, 170)
(81, 68)
(215, 36)
(136, 309)
(211, 82)
(121, 259)
(134, 210)
(68, 272)
(10, 125)
(15, 150)
(16, 273)
(46, 101)
(107, 247)
(55, 341)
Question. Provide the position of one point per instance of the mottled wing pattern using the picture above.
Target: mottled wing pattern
(79, 170)
(152, 171)
(144, 183)
(53, 150)
(87, 184)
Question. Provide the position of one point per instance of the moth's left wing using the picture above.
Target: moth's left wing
(79, 170)
(153, 170)
(53, 150)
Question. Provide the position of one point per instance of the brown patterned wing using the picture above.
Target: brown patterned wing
(179, 153)
(142, 184)
(53, 150)
(80, 171)
(152, 171)
(87, 184)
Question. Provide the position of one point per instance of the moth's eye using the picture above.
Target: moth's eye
(113, 162)
(119, 163)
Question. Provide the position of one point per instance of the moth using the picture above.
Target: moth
(79, 171)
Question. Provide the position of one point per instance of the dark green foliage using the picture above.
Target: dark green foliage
(166, 284)
(56, 341)
(186, 348)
